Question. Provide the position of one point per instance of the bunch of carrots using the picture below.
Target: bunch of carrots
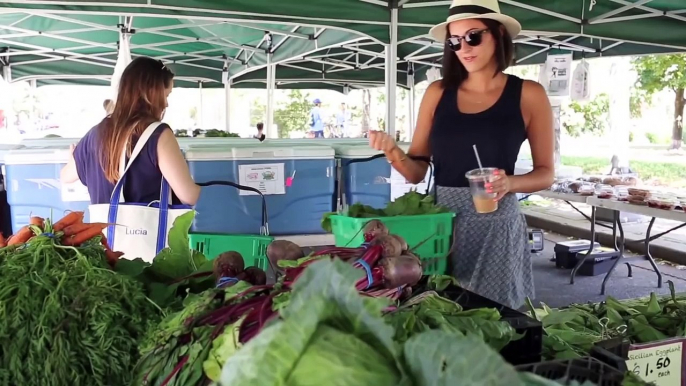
(70, 231)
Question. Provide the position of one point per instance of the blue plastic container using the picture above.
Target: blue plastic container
(188, 142)
(368, 181)
(298, 182)
(5, 216)
(51, 142)
(33, 185)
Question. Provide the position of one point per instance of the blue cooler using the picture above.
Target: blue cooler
(5, 216)
(297, 182)
(333, 142)
(371, 182)
(187, 142)
(53, 142)
(33, 185)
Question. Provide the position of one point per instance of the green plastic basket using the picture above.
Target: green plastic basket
(252, 248)
(435, 229)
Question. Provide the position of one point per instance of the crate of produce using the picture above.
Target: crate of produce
(252, 248)
(525, 350)
(585, 370)
(427, 228)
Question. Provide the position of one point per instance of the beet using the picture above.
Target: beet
(401, 270)
(228, 264)
(373, 229)
(255, 276)
(403, 243)
(283, 250)
(391, 246)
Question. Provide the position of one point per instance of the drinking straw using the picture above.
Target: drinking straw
(476, 153)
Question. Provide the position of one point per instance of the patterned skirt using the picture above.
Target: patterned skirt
(491, 255)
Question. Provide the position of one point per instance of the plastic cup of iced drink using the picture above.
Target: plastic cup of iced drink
(484, 202)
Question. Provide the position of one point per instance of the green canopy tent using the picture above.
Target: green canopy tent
(586, 27)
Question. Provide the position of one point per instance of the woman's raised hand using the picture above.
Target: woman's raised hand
(380, 140)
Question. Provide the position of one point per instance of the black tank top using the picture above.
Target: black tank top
(497, 132)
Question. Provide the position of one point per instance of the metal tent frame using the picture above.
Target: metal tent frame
(396, 28)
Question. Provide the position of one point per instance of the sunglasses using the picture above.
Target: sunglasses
(472, 38)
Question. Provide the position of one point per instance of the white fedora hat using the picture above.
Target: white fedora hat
(476, 9)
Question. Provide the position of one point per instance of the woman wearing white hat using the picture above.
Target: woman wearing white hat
(477, 104)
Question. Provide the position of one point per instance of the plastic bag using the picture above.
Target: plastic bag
(580, 86)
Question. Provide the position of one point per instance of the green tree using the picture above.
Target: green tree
(589, 117)
(258, 112)
(659, 72)
(639, 99)
(294, 115)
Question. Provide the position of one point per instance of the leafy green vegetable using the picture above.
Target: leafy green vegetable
(67, 318)
(409, 204)
(440, 282)
(432, 311)
(443, 358)
(572, 331)
(325, 312)
(223, 347)
(177, 339)
(172, 272)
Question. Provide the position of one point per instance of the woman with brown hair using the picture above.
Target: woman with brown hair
(477, 104)
(141, 101)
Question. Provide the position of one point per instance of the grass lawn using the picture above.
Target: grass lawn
(652, 173)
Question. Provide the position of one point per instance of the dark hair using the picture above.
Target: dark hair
(141, 100)
(260, 126)
(454, 72)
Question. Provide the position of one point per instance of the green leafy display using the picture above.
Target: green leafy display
(174, 270)
(67, 318)
(410, 204)
(329, 334)
(572, 331)
(429, 311)
(325, 311)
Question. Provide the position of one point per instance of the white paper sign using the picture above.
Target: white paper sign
(400, 186)
(658, 363)
(267, 178)
(75, 191)
(558, 69)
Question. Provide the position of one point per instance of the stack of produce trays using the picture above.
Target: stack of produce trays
(427, 227)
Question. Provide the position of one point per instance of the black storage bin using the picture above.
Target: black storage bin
(613, 352)
(528, 349)
(586, 369)
(565, 252)
(599, 263)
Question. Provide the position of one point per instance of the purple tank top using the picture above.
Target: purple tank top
(143, 179)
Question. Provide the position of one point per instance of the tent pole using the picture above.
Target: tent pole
(271, 84)
(392, 72)
(410, 101)
(227, 95)
(620, 113)
(200, 109)
(270, 97)
(227, 107)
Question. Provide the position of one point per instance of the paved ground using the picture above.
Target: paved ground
(553, 288)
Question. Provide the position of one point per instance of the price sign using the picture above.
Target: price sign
(660, 363)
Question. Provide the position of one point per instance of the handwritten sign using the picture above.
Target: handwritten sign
(267, 178)
(660, 363)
